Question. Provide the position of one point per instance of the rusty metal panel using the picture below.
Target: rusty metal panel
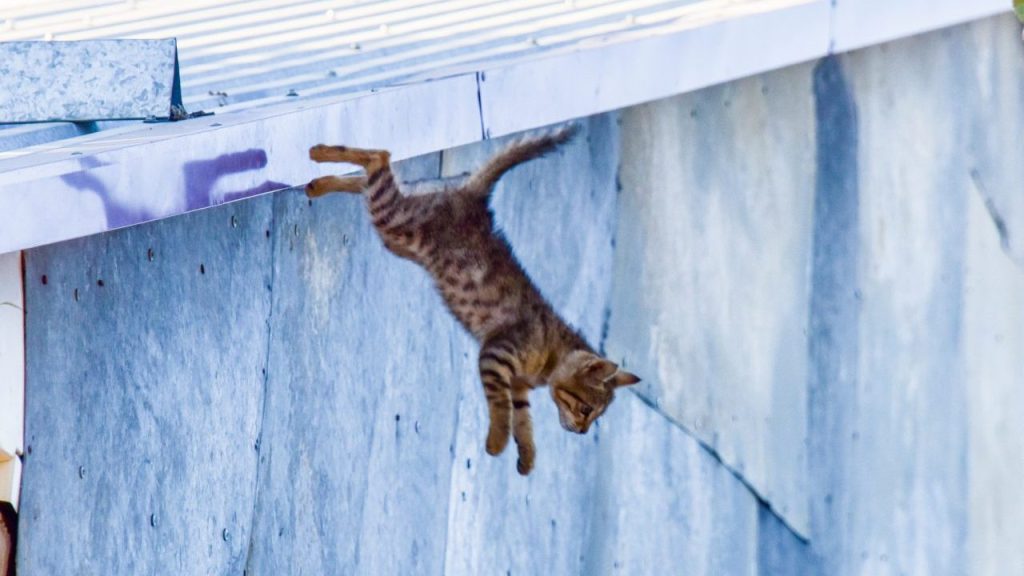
(88, 80)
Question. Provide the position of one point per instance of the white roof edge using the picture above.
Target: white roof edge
(126, 176)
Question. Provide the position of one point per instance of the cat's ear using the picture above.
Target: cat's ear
(601, 368)
(623, 378)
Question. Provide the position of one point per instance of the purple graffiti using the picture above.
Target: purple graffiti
(201, 176)
(117, 214)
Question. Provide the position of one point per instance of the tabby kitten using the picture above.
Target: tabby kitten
(448, 228)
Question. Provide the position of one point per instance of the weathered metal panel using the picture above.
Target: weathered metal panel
(88, 80)
(664, 505)
(994, 352)
(363, 378)
(145, 354)
(994, 300)
(717, 42)
(118, 178)
(713, 248)
(890, 314)
(860, 23)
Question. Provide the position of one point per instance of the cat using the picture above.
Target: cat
(448, 228)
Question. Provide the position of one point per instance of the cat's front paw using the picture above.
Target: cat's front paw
(497, 439)
(526, 456)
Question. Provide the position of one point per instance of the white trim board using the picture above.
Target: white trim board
(12, 375)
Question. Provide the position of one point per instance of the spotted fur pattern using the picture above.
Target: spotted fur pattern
(450, 231)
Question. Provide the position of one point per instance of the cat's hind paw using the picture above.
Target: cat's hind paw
(526, 456)
(497, 440)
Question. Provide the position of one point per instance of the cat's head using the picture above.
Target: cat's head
(583, 385)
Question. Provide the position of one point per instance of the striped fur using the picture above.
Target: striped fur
(449, 231)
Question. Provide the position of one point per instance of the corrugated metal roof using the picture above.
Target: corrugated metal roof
(252, 52)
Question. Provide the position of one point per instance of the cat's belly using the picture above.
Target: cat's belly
(479, 308)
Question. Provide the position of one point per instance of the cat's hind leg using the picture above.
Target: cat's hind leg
(522, 426)
(498, 367)
(327, 184)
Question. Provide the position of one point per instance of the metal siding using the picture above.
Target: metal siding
(909, 427)
(912, 470)
(363, 366)
(993, 340)
(142, 396)
(710, 297)
(664, 505)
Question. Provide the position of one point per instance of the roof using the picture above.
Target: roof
(424, 74)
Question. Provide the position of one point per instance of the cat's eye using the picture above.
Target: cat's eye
(586, 410)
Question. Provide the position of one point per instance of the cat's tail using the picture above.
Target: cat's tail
(518, 152)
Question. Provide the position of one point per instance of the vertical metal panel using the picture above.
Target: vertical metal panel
(833, 325)
(729, 41)
(363, 371)
(145, 354)
(899, 494)
(860, 23)
(994, 352)
(88, 80)
(713, 247)
(994, 299)
(664, 505)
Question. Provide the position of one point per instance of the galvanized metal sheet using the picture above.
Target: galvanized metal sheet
(88, 80)
(145, 355)
(122, 177)
(860, 23)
